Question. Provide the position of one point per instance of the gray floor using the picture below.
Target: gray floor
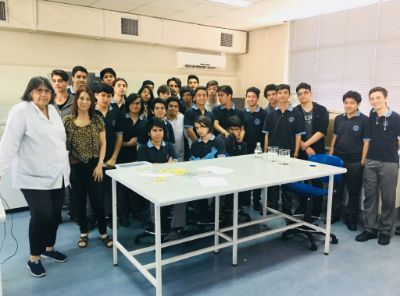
(267, 266)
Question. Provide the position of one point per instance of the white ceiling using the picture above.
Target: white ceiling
(260, 13)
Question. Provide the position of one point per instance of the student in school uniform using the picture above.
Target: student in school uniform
(159, 110)
(253, 119)
(350, 142)
(175, 84)
(235, 147)
(108, 76)
(114, 125)
(381, 169)
(193, 81)
(270, 95)
(225, 110)
(164, 92)
(120, 89)
(207, 146)
(79, 77)
(156, 150)
(146, 94)
(134, 133)
(187, 97)
(200, 98)
(283, 128)
(316, 119)
(212, 100)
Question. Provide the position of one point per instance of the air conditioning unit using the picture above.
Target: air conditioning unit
(3, 11)
(190, 60)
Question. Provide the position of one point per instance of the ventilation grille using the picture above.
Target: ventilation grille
(226, 40)
(3, 14)
(129, 27)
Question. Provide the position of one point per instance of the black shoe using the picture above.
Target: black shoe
(397, 231)
(36, 268)
(124, 221)
(384, 239)
(257, 206)
(351, 226)
(55, 256)
(365, 235)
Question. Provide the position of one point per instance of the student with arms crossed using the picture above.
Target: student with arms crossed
(381, 169)
(350, 142)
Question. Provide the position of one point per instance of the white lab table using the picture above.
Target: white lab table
(248, 172)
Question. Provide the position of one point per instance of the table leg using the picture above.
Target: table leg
(265, 204)
(114, 220)
(216, 223)
(328, 216)
(157, 222)
(235, 228)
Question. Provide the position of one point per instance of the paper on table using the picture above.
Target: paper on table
(216, 170)
(212, 181)
(155, 175)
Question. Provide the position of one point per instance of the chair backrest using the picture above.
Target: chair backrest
(329, 160)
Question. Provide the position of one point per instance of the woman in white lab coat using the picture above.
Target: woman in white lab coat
(34, 145)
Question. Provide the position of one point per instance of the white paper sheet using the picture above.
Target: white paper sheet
(216, 170)
(212, 181)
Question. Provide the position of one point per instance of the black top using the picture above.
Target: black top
(385, 135)
(319, 123)
(234, 148)
(132, 130)
(253, 124)
(114, 125)
(351, 133)
(148, 152)
(201, 149)
(168, 132)
(121, 108)
(222, 114)
(282, 128)
(191, 116)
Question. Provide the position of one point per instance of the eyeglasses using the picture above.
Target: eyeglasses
(306, 92)
(39, 91)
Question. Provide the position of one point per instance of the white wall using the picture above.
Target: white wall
(266, 59)
(23, 55)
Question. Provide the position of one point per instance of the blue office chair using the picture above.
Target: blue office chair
(305, 190)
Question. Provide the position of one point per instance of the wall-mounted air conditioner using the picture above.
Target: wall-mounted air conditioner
(190, 60)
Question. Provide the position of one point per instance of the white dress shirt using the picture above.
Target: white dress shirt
(35, 146)
(177, 127)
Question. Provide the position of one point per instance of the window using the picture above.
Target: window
(355, 49)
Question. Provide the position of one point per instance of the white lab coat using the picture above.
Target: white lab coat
(35, 147)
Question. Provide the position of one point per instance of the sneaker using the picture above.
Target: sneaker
(36, 268)
(351, 226)
(365, 236)
(384, 239)
(55, 256)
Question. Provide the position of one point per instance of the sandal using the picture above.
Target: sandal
(83, 241)
(107, 241)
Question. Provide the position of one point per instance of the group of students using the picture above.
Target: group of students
(94, 131)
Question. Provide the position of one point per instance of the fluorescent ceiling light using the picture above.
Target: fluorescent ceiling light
(239, 3)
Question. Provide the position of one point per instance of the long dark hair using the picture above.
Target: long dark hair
(132, 98)
(92, 108)
(35, 83)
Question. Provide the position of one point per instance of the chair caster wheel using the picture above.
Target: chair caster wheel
(313, 247)
(334, 241)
